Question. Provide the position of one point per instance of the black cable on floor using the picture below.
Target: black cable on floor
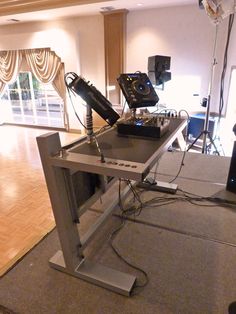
(124, 214)
(180, 168)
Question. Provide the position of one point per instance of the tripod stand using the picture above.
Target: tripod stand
(205, 132)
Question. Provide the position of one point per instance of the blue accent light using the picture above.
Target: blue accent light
(139, 123)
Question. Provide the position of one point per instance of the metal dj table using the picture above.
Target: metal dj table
(76, 177)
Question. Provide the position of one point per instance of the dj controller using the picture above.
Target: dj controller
(146, 126)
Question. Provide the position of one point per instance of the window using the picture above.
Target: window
(33, 103)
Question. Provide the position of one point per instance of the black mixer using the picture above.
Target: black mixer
(147, 126)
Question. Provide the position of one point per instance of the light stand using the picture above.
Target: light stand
(205, 132)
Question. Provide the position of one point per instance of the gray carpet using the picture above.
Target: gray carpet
(198, 166)
(187, 251)
(186, 275)
(202, 219)
(33, 287)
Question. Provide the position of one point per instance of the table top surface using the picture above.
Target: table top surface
(128, 148)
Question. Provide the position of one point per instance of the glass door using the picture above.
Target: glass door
(33, 103)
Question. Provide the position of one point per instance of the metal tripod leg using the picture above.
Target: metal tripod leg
(206, 133)
(196, 139)
(212, 142)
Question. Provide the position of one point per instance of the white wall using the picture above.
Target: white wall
(187, 35)
(78, 41)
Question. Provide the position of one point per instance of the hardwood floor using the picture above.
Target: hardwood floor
(25, 210)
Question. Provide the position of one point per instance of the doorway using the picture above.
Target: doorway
(29, 102)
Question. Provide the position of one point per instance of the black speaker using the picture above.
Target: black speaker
(231, 181)
(162, 77)
(158, 63)
(158, 67)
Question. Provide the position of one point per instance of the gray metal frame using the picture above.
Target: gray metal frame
(58, 165)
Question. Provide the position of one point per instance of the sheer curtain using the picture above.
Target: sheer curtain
(43, 63)
(59, 85)
(48, 68)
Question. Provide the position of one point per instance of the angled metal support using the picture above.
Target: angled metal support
(71, 259)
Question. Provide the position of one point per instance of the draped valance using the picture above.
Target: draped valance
(43, 63)
(10, 62)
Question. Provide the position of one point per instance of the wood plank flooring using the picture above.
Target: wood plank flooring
(25, 210)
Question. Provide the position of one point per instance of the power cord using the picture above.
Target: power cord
(155, 202)
(71, 76)
(180, 168)
(189, 197)
(185, 150)
(125, 213)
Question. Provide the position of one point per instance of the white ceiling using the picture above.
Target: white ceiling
(89, 9)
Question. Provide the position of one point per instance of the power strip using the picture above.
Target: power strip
(159, 186)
